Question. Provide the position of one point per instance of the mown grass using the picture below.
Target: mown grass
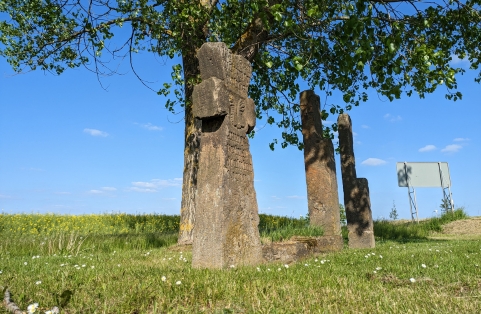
(141, 272)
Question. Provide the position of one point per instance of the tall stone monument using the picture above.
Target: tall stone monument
(356, 191)
(226, 213)
(320, 165)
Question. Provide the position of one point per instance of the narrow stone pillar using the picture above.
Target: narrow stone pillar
(356, 191)
(320, 166)
(226, 215)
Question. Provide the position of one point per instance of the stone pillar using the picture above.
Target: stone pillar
(356, 191)
(226, 215)
(320, 166)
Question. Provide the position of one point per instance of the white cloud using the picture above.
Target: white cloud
(461, 139)
(149, 126)
(275, 197)
(32, 169)
(95, 192)
(169, 199)
(154, 185)
(108, 188)
(427, 148)
(63, 193)
(4, 197)
(295, 197)
(95, 132)
(392, 118)
(453, 148)
(327, 122)
(142, 190)
(365, 126)
(373, 162)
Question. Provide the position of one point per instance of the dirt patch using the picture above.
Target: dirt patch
(463, 227)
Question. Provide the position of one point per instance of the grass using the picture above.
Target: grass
(278, 228)
(123, 273)
(411, 230)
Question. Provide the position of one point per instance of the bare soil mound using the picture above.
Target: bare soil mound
(463, 227)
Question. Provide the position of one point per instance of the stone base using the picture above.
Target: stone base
(300, 247)
(363, 241)
(326, 244)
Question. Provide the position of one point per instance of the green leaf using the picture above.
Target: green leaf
(312, 11)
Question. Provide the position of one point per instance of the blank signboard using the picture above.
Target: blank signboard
(423, 174)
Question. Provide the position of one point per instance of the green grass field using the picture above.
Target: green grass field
(130, 264)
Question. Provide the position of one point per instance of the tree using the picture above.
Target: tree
(349, 46)
(342, 213)
(445, 206)
(393, 214)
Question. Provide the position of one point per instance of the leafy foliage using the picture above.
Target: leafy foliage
(349, 46)
(393, 214)
(342, 213)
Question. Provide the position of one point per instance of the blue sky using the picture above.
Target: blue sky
(70, 146)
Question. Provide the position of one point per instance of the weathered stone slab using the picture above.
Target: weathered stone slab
(356, 191)
(327, 244)
(300, 247)
(320, 166)
(285, 252)
(226, 214)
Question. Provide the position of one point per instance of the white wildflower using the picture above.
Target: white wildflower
(412, 280)
(178, 282)
(38, 282)
(32, 308)
(163, 278)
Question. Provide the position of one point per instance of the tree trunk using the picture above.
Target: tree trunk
(191, 149)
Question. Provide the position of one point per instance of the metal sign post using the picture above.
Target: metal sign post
(412, 201)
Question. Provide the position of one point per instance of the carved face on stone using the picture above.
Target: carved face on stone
(224, 74)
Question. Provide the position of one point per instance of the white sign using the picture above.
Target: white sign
(423, 174)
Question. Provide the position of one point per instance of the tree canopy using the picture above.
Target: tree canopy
(392, 47)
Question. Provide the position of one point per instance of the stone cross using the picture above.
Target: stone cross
(226, 217)
(320, 165)
(356, 191)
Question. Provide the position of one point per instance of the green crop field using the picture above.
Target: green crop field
(130, 264)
